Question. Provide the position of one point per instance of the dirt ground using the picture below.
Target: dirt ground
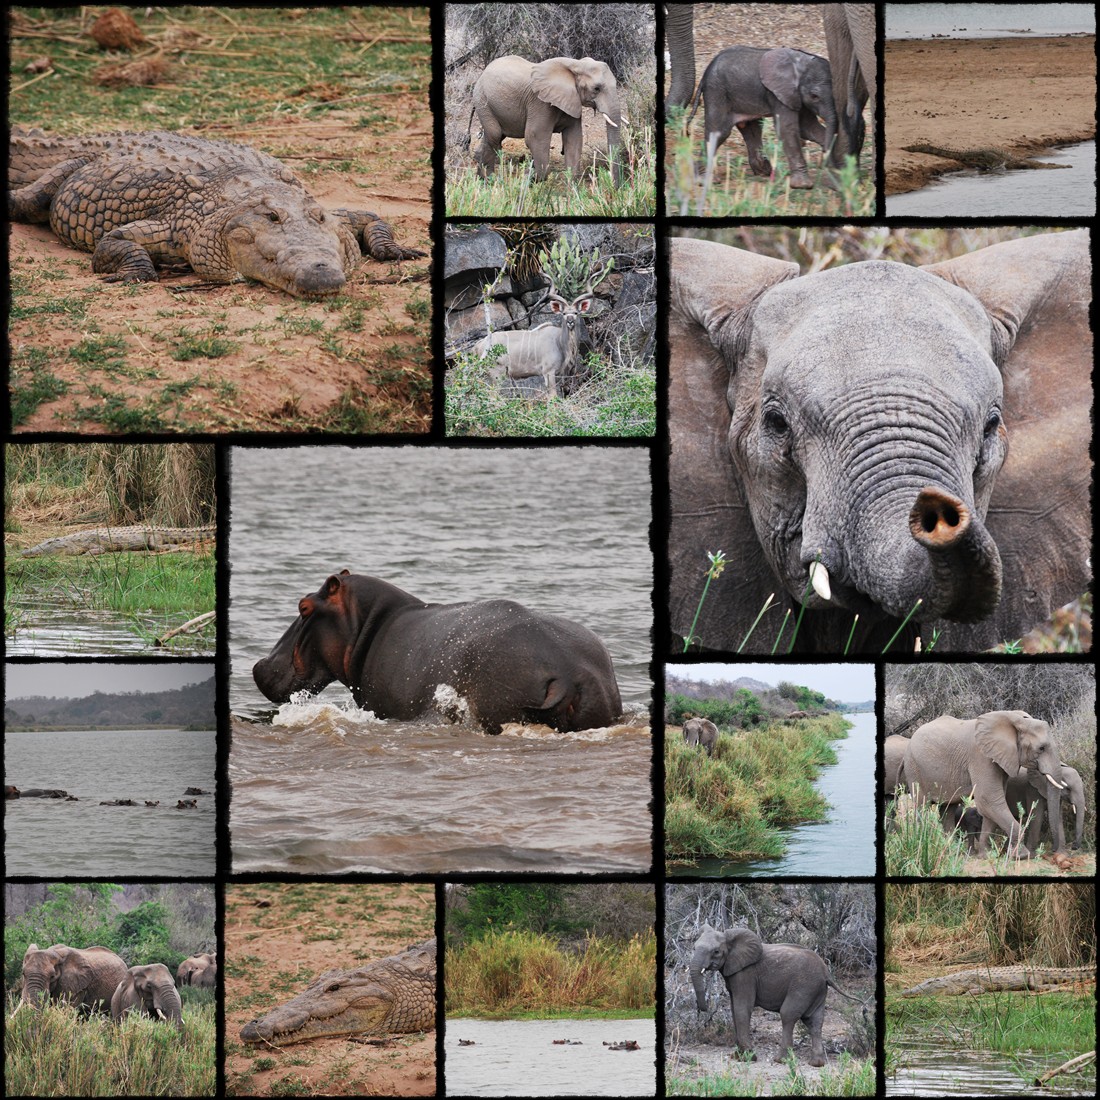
(1081, 865)
(290, 360)
(281, 936)
(1025, 94)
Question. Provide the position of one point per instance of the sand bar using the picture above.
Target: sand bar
(1025, 94)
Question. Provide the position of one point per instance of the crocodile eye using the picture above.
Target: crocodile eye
(332, 987)
(272, 216)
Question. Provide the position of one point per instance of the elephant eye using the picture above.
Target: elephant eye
(775, 421)
(993, 422)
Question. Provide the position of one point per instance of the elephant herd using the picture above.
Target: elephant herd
(95, 979)
(1001, 759)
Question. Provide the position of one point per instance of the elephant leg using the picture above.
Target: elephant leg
(572, 144)
(994, 816)
(790, 137)
(810, 127)
(753, 133)
(491, 138)
(814, 1022)
(538, 141)
(742, 1032)
(788, 1018)
(1034, 814)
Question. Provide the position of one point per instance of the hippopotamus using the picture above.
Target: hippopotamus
(393, 650)
(36, 792)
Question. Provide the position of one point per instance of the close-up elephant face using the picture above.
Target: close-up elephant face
(570, 84)
(727, 952)
(150, 991)
(1012, 739)
(921, 433)
(41, 973)
(798, 79)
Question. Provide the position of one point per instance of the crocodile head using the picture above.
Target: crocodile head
(280, 236)
(392, 996)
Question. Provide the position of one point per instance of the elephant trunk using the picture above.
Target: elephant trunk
(699, 984)
(34, 993)
(169, 1007)
(965, 564)
(831, 141)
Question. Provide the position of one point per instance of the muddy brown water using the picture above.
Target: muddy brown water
(327, 788)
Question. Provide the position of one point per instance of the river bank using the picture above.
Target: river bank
(1027, 95)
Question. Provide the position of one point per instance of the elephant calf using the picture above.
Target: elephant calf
(743, 85)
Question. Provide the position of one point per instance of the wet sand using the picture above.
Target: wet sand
(1026, 95)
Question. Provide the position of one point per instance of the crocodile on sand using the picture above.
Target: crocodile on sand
(985, 160)
(144, 200)
(391, 996)
(104, 540)
(1037, 979)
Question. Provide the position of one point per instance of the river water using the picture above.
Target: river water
(519, 1058)
(49, 837)
(1021, 192)
(988, 20)
(926, 1068)
(326, 787)
(843, 844)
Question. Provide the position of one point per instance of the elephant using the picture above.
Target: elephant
(779, 977)
(949, 757)
(854, 424)
(850, 43)
(148, 991)
(84, 976)
(798, 714)
(679, 30)
(393, 651)
(198, 970)
(894, 749)
(702, 732)
(518, 98)
(744, 85)
(1029, 788)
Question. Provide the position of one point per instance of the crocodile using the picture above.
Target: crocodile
(985, 160)
(104, 540)
(390, 996)
(1037, 979)
(137, 201)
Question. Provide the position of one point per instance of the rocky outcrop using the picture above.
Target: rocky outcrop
(391, 996)
(141, 201)
(103, 540)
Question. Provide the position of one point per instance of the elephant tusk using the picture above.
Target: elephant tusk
(1060, 786)
(609, 122)
(819, 578)
(161, 1014)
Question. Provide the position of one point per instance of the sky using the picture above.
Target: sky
(65, 680)
(841, 683)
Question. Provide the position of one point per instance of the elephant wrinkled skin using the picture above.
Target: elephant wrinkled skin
(779, 977)
(744, 85)
(518, 98)
(702, 732)
(894, 749)
(85, 976)
(148, 991)
(949, 758)
(850, 42)
(860, 418)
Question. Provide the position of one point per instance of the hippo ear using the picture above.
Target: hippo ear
(332, 585)
(345, 572)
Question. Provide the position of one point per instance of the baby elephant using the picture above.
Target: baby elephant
(701, 731)
(743, 85)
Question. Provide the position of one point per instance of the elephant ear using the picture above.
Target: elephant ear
(779, 72)
(1036, 292)
(996, 734)
(744, 948)
(713, 289)
(554, 82)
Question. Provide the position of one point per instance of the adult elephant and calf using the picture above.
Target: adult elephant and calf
(95, 979)
(1000, 758)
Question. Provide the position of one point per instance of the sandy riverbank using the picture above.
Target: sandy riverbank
(1024, 94)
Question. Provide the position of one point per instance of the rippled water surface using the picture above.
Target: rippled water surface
(519, 1058)
(52, 837)
(328, 788)
(1024, 191)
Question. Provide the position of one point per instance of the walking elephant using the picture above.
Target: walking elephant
(148, 991)
(855, 423)
(744, 85)
(701, 732)
(948, 758)
(1030, 788)
(198, 970)
(779, 977)
(518, 98)
(850, 42)
(894, 749)
(84, 976)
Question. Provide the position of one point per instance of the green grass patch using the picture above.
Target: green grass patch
(523, 975)
(848, 1077)
(734, 804)
(57, 1053)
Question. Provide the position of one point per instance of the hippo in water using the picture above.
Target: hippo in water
(393, 650)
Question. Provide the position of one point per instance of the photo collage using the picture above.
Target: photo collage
(548, 550)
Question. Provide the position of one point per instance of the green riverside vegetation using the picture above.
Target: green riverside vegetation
(518, 975)
(850, 1077)
(734, 804)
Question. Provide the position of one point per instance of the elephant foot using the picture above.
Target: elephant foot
(817, 1061)
(761, 168)
(800, 181)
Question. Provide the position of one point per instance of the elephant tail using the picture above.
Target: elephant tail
(467, 137)
(695, 100)
(832, 985)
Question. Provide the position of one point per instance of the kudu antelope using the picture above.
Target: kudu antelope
(543, 351)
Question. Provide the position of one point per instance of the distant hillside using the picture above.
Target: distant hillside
(742, 702)
(190, 707)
